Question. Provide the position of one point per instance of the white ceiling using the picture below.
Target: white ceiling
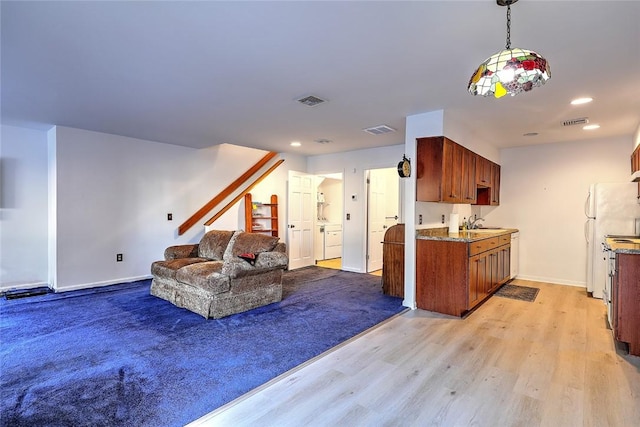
(203, 73)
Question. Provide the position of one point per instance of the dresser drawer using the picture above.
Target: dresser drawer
(504, 239)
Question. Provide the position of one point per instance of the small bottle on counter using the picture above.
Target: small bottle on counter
(464, 224)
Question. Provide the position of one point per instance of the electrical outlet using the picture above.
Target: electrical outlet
(348, 217)
(118, 257)
(443, 218)
(420, 219)
(169, 217)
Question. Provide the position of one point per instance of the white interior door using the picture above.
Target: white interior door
(375, 219)
(300, 214)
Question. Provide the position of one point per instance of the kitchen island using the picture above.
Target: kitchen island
(622, 293)
(456, 272)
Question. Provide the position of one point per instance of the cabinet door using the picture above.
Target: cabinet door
(452, 172)
(502, 266)
(495, 184)
(469, 176)
(429, 169)
(635, 160)
(478, 272)
(483, 172)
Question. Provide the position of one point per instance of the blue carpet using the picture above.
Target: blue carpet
(117, 356)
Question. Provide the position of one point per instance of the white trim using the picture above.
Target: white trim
(13, 287)
(100, 284)
(551, 280)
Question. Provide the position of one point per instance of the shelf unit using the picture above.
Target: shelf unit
(261, 217)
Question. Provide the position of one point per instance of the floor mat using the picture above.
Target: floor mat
(523, 293)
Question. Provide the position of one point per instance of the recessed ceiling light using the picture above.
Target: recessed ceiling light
(295, 144)
(591, 127)
(530, 134)
(579, 101)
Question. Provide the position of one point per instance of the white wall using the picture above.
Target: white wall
(543, 191)
(334, 200)
(353, 165)
(109, 194)
(23, 208)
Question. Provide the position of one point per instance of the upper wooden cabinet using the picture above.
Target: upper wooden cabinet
(483, 171)
(453, 155)
(448, 172)
(635, 160)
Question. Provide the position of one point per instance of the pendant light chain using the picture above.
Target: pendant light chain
(508, 27)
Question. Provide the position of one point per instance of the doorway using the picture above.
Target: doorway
(328, 240)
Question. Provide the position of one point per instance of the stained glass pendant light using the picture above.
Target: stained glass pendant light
(509, 71)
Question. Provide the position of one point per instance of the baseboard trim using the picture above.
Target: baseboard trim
(14, 287)
(551, 280)
(100, 284)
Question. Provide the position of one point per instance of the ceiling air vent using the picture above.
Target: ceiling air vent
(379, 130)
(323, 141)
(573, 122)
(311, 101)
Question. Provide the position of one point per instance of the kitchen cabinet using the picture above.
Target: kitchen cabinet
(635, 160)
(448, 172)
(626, 301)
(453, 277)
(261, 217)
(495, 184)
(483, 172)
(453, 155)
(445, 171)
(469, 177)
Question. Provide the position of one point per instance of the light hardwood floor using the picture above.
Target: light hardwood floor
(552, 362)
(336, 263)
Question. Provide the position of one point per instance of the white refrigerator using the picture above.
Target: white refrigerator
(611, 209)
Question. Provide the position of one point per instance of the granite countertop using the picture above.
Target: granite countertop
(462, 236)
(623, 245)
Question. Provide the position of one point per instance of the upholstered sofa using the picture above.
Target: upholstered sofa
(227, 272)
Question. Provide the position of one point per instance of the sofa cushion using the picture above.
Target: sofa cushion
(167, 269)
(214, 243)
(205, 275)
(254, 243)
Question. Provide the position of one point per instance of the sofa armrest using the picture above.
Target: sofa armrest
(181, 251)
(265, 261)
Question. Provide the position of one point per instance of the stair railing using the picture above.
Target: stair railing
(245, 191)
(193, 219)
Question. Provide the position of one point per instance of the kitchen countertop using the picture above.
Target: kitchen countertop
(623, 244)
(464, 236)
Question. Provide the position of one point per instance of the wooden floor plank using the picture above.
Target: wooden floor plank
(552, 362)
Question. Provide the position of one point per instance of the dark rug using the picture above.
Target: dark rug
(523, 293)
(117, 356)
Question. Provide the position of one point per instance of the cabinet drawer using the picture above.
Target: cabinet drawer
(504, 239)
(480, 246)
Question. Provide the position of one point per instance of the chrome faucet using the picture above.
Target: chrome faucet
(471, 225)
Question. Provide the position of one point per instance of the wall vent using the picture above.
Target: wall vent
(311, 100)
(573, 122)
(379, 130)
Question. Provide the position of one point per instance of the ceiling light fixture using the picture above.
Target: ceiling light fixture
(580, 101)
(295, 144)
(591, 127)
(509, 71)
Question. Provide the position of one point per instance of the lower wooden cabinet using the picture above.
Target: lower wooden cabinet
(626, 301)
(453, 277)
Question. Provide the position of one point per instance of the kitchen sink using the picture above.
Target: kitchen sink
(486, 230)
